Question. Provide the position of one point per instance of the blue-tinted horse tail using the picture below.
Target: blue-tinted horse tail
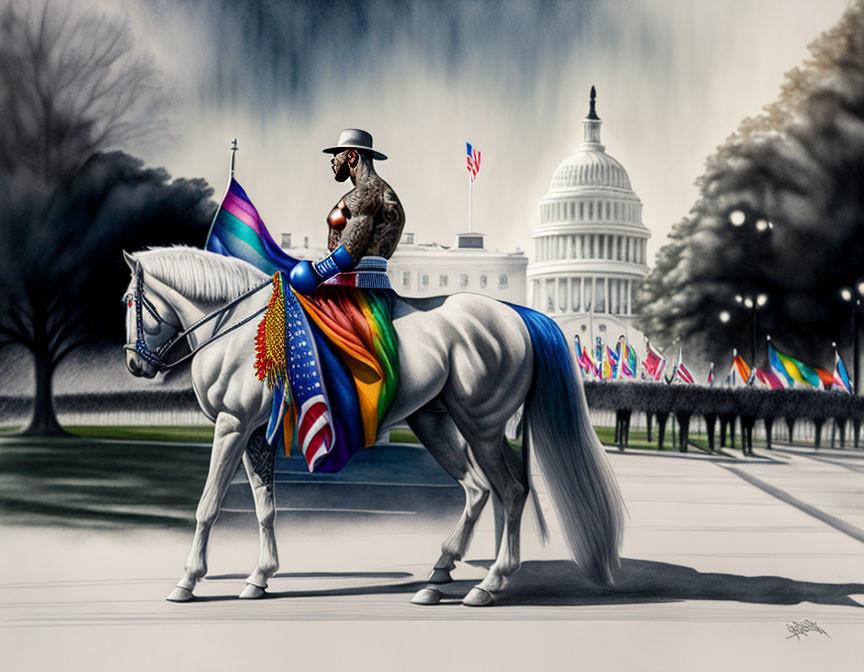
(558, 430)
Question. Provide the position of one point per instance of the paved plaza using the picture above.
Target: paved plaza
(721, 558)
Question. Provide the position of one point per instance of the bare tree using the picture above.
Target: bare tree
(71, 86)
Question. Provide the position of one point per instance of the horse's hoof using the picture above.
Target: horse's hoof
(427, 596)
(180, 595)
(252, 592)
(478, 598)
(439, 575)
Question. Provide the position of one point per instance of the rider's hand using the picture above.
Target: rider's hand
(303, 277)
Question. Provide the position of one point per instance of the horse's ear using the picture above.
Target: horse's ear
(131, 262)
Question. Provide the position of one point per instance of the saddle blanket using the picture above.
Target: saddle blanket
(332, 362)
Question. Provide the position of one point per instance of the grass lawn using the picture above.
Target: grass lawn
(84, 482)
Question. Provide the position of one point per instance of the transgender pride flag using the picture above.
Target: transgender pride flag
(238, 231)
(841, 376)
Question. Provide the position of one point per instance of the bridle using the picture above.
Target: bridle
(156, 358)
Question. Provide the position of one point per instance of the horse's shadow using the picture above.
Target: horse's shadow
(558, 582)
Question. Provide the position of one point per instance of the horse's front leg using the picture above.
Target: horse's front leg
(259, 460)
(229, 440)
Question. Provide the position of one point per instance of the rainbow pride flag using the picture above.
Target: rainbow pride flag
(330, 359)
(610, 364)
(792, 370)
(335, 355)
(238, 231)
(825, 377)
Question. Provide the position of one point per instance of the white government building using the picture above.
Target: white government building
(590, 247)
(430, 269)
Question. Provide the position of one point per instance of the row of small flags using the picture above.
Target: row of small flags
(624, 363)
(783, 371)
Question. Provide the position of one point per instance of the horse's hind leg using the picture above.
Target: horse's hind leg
(258, 459)
(438, 433)
(229, 440)
(503, 468)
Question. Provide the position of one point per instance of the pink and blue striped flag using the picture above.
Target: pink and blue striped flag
(841, 376)
(239, 231)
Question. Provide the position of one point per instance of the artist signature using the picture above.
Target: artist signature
(797, 629)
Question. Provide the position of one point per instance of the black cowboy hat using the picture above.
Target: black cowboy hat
(354, 138)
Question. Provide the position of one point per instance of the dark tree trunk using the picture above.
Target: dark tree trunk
(710, 424)
(747, 425)
(769, 425)
(723, 426)
(790, 425)
(817, 438)
(683, 431)
(841, 425)
(661, 428)
(43, 421)
(648, 417)
(732, 431)
(627, 415)
(856, 428)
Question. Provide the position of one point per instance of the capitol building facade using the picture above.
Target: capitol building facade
(590, 246)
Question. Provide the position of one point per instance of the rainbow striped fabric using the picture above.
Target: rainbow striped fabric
(610, 364)
(238, 231)
(343, 369)
(331, 359)
(791, 371)
(768, 379)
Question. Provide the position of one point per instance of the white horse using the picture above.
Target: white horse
(466, 365)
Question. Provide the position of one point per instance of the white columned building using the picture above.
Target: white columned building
(432, 269)
(590, 247)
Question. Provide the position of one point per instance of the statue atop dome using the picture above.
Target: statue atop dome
(592, 110)
(591, 123)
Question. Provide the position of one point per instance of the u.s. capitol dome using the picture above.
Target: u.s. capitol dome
(590, 246)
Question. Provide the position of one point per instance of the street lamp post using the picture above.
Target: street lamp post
(854, 302)
(753, 304)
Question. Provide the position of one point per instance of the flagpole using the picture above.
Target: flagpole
(234, 147)
(470, 183)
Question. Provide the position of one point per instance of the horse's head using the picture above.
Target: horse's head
(151, 322)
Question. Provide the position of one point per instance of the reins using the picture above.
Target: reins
(157, 358)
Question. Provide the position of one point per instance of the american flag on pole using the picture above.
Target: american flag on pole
(682, 373)
(473, 160)
(654, 363)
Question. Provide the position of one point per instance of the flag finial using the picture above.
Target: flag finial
(234, 149)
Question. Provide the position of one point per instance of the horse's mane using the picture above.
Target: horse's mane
(199, 275)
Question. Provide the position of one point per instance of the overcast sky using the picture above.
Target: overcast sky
(674, 78)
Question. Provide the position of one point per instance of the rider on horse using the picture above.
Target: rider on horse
(368, 220)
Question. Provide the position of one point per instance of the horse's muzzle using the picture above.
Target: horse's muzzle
(138, 367)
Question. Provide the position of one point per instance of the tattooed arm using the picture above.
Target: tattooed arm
(363, 203)
(355, 212)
